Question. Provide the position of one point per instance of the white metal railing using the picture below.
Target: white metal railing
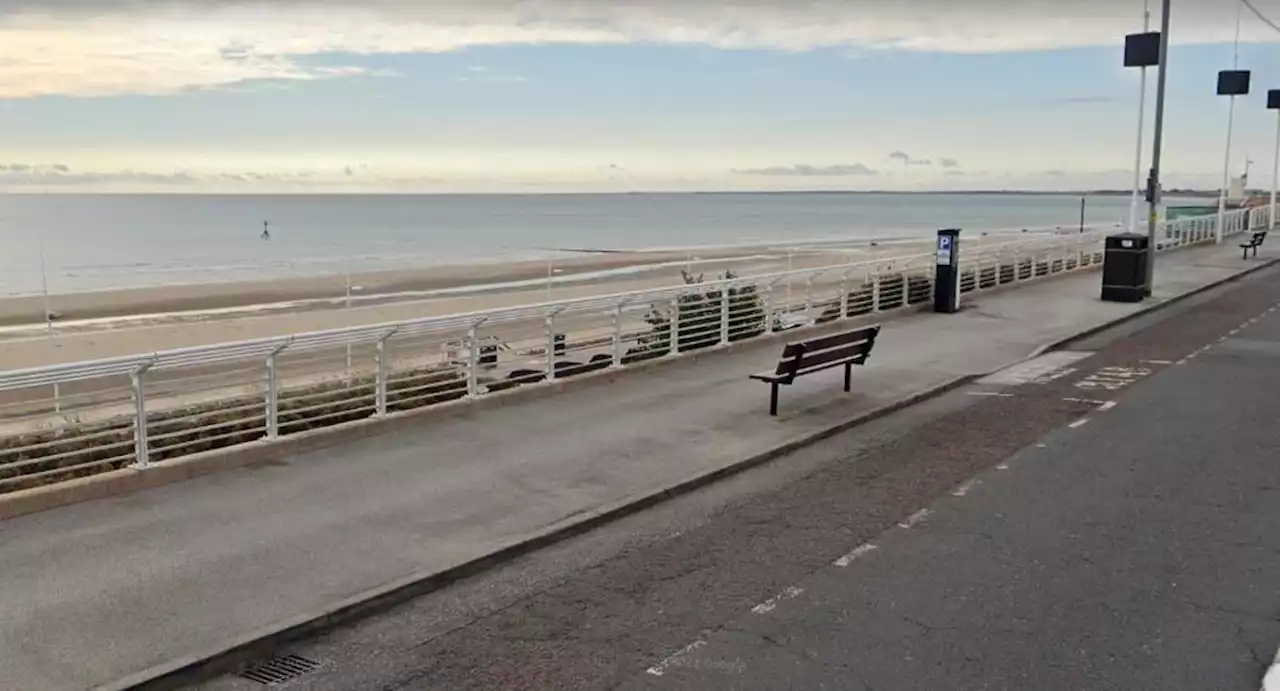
(138, 410)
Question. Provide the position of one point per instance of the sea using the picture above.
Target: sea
(68, 243)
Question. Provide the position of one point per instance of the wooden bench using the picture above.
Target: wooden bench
(1253, 243)
(802, 358)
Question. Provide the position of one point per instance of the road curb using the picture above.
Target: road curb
(235, 653)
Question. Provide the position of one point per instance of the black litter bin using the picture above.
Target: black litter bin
(1124, 269)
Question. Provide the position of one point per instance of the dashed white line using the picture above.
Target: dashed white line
(1002, 466)
(964, 488)
(1088, 401)
(1106, 406)
(994, 394)
(855, 555)
(772, 603)
(1158, 362)
(661, 668)
(914, 518)
(1079, 423)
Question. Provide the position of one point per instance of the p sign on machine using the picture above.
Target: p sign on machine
(946, 284)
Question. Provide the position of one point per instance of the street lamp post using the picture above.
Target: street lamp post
(1146, 50)
(1142, 121)
(1273, 103)
(1233, 82)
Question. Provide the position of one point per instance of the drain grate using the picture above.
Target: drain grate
(280, 670)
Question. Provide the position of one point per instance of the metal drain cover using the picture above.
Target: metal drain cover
(280, 670)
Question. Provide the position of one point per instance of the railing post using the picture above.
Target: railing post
(551, 346)
(273, 390)
(141, 451)
(473, 361)
(725, 297)
(844, 295)
(675, 326)
(617, 334)
(767, 300)
(875, 291)
(380, 382)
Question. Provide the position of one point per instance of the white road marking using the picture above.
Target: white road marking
(855, 555)
(1089, 401)
(915, 518)
(1042, 446)
(1038, 370)
(1112, 378)
(660, 668)
(1158, 362)
(1271, 682)
(964, 488)
(1106, 406)
(996, 394)
(772, 603)
(1002, 466)
(1233, 331)
(1079, 423)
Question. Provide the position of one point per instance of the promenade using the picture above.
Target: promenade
(112, 591)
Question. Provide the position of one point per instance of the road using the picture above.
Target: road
(1103, 518)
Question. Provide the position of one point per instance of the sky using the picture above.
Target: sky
(594, 96)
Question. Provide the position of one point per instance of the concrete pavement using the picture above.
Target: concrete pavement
(101, 591)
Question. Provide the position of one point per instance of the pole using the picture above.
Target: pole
(348, 307)
(1275, 175)
(1083, 200)
(1231, 123)
(550, 273)
(1158, 147)
(48, 313)
(1226, 173)
(1142, 121)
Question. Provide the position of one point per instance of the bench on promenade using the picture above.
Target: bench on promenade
(802, 358)
(1253, 243)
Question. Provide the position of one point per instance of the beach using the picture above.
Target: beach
(107, 324)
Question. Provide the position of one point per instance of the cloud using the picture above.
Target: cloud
(907, 160)
(806, 170)
(57, 175)
(948, 163)
(83, 48)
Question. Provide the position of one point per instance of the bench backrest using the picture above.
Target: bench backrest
(1259, 236)
(801, 357)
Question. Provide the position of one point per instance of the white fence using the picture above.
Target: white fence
(135, 411)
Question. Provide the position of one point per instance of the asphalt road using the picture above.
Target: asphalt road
(1102, 519)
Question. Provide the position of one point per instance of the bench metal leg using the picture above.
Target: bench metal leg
(848, 377)
(773, 400)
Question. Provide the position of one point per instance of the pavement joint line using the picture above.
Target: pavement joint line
(661, 668)
(914, 519)
(855, 555)
(964, 488)
(771, 604)
(266, 640)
